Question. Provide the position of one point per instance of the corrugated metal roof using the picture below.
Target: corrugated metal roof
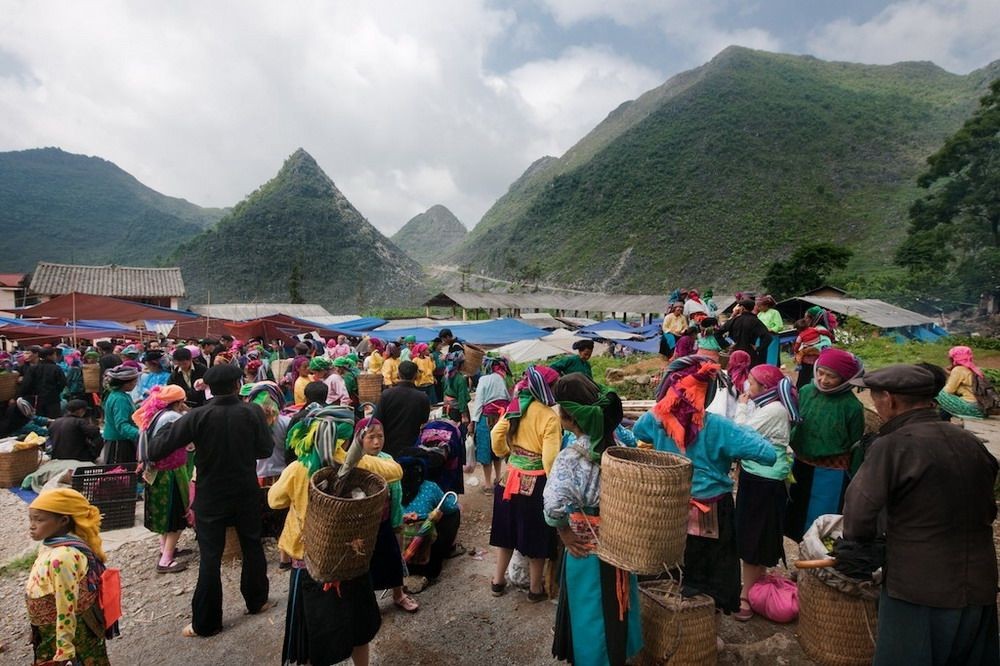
(246, 311)
(574, 302)
(119, 281)
(869, 310)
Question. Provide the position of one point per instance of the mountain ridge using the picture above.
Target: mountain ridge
(431, 235)
(751, 149)
(298, 222)
(89, 210)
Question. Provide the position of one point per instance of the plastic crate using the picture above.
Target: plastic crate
(117, 514)
(114, 493)
(101, 483)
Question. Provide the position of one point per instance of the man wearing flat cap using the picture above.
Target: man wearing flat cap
(229, 437)
(927, 485)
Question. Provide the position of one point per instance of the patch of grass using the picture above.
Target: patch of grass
(880, 352)
(19, 565)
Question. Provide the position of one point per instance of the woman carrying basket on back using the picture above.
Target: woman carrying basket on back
(324, 624)
(595, 622)
(678, 423)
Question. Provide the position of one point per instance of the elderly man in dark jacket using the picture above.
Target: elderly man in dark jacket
(229, 437)
(927, 485)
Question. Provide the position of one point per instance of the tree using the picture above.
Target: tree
(807, 268)
(955, 227)
(295, 285)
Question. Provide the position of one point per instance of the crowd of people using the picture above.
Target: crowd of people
(210, 423)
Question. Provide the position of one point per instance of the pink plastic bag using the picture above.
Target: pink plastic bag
(776, 598)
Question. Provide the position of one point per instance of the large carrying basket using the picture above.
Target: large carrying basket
(473, 360)
(8, 385)
(339, 533)
(369, 388)
(16, 465)
(91, 378)
(835, 629)
(645, 497)
(675, 630)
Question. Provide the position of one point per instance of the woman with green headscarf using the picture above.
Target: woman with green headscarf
(597, 620)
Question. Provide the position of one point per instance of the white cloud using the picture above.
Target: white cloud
(695, 25)
(204, 100)
(572, 93)
(959, 35)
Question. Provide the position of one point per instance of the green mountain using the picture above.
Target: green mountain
(298, 228)
(57, 206)
(724, 168)
(431, 236)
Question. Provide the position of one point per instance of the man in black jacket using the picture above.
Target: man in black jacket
(402, 409)
(748, 333)
(229, 437)
(43, 384)
(73, 437)
(186, 372)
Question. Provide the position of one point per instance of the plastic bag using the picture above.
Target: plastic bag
(470, 454)
(776, 598)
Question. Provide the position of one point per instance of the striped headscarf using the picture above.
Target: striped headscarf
(687, 388)
(534, 386)
(777, 387)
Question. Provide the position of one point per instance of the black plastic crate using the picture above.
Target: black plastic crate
(100, 484)
(117, 514)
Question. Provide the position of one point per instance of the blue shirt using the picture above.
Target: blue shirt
(427, 499)
(712, 453)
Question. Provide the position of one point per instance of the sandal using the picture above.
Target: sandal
(182, 552)
(189, 632)
(498, 589)
(284, 566)
(743, 614)
(456, 550)
(535, 597)
(407, 603)
(173, 567)
(487, 490)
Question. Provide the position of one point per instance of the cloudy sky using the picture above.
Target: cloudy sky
(403, 104)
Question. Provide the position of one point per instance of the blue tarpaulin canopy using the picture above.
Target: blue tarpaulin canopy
(361, 325)
(496, 332)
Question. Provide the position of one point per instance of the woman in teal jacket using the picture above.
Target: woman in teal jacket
(120, 433)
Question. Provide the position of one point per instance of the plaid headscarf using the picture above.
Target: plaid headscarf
(453, 362)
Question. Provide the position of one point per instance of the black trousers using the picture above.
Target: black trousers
(206, 604)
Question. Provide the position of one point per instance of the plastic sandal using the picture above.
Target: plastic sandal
(498, 589)
(743, 614)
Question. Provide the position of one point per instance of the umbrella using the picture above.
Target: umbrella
(425, 528)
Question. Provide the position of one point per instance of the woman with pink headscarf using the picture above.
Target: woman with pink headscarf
(958, 397)
(833, 422)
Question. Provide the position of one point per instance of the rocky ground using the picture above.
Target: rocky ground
(459, 621)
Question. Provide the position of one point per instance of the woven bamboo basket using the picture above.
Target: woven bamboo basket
(16, 465)
(232, 550)
(873, 422)
(8, 386)
(369, 388)
(91, 378)
(675, 630)
(473, 359)
(645, 497)
(339, 533)
(835, 629)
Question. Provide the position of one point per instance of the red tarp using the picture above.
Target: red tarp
(186, 329)
(87, 306)
(276, 327)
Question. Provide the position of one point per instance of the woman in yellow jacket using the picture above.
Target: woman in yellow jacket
(530, 433)
(323, 624)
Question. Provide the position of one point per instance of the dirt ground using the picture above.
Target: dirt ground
(459, 621)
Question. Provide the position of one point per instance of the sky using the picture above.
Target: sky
(403, 104)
